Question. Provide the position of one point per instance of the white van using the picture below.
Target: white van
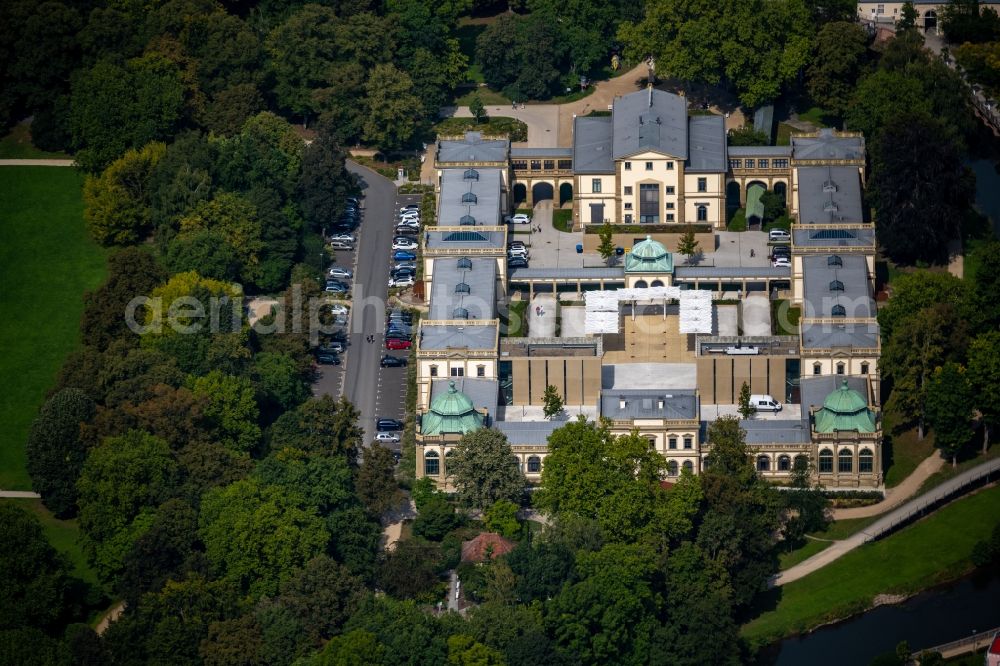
(342, 245)
(779, 235)
(764, 403)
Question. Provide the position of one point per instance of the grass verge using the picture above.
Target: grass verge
(18, 146)
(517, 130)
(810, 548)
(562, 219)
(64, 535)
(515, 323)
(47, 261)
(948, 471)
(485, 93)
(905, 451)
(930, 552)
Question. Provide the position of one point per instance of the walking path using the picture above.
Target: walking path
(43, 162)
(897, 495)
(888, 523)
(19, 494)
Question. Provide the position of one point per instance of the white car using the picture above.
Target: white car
(340, 272)
(520, 218)
(338, 309)
(779, 236)
(781, 262)
(390, 437)
(406, 281)
(404, 244)
(518, 252)
(347, 238)
(409, 208)
(410, 214)
(405, 265)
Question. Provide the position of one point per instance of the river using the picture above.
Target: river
(987, 190)
(931, 618)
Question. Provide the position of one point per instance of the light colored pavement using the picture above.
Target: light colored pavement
(542, 315)
(916, 507)
(898, 494)
(109, 617)
(757, 315)
(18, 494)
(542, 121)
(573, 321)
(54, 163)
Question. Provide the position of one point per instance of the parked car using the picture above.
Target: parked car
(404, 229)
(388, 425)
(781, 262)
(340, 272)
(409, 207)
(779, 236)
(353, 200)
(405, 281)
(409, 223)
(405, 264)
(327, 358)
(338, 309)
(513, 244)
(397, 343)
(518, 252)
(402, 272)
(517, 262)
(386, 437)
(389, 361)
(342, 245)
(395, 327)
(520, 218)
(397, 334)
(403, 255)
(403, 243)
(332, 347)
(347, 238)
(764, 403)
(397, 319)
(336, 287)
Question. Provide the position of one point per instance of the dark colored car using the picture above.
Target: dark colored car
(393, 343)
(397, 335)
(388, 425)
(389, 361)
(332, 348)
(327, 358)
(517, 262)
(403, 273)
(335, 287)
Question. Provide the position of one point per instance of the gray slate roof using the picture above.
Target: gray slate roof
(595, 273)
(644, 404)
(592, 145)
(528, 433)
(437, 337)
(468, 237)
(650, 120)
(691, 272)
(834, 237)
(827, 336)
(830, 195)
(773, 431)
(482, 392)
(541, 152)
(480, 302)
(706, 144)
(818, 275)
(813, 390)
(827, 146)
(762, 151)
(473, 149)
(486, 209)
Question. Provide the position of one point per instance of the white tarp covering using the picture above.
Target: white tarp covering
(603, 308)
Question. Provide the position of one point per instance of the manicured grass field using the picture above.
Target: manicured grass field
(47, 261)
(932, 551)
(17, 146)
(811, 547)
(62, 534)
(907, 453)
(562, 219)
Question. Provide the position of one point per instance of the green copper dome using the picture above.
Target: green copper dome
(845, 409)
(451, 412)
(649, 256)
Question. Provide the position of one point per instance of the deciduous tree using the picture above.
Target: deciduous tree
(231, 409)
(376, 481)
(553, 401)
(56, 451)
(117, 203)
(389, 122)
(948, 404)
(984, 377)
(837, 63)
(484, 470)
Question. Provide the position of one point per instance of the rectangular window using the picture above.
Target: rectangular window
(649, 203)
(519, 165)
(480, 371)
(649, 166)
(670, 166)
(672, 443)
(628, 218)
(628, 166)
(762, 164)
(688, 442)
(703, 184)
(670, 205)
(628, 205)
(549, 164)
(565, 165)
(536, 165)
(735, 164)
(595, 185)
(628, 189)
(457, 372)
(880, 10)
(669, 189)
(749, 163)
(781, 164)
(670, 217)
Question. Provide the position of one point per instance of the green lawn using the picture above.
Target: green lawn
(932, 551)
(837, 531)
(906, 452)
(17, 146)
(516, 322)
(948, 471)
(485, 93)
(63, 535)
(789, 559)
(562, 219)
(516, 129)
(47, 261)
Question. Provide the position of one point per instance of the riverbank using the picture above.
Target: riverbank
(930, 552)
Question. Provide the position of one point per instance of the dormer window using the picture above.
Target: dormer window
(838, 311)
(836, 285)
(462, 288)
(470, 174)
(834, 260)
(460, 313)
(469, 198)
(465, 262)
(467, 221)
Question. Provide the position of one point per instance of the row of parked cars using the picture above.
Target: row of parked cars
(517, 254)
(781, 255)
(404, 247)
(398, 335)
(343, 238)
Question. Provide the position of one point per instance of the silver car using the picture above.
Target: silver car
(341, 273)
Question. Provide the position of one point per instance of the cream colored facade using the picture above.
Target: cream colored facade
(929, 13)
(675, 439)
(530, 459)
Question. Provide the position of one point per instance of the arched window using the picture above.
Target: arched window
(817, 368)
(703, 213)
(866, 461)
(652, 443)
(641, 284)
(864, 368)
(840, 368)
(434, 371)
(671, 468)
(432, 463)
(845, 461)
(534, 464)
(449, 455)
(656, 283)
(838, 311)
(784, 463)
(801, 462)
(688, 467)
(469, 197)
(763, 464)
(826, 461)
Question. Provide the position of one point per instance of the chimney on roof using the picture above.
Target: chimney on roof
(622, 402)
